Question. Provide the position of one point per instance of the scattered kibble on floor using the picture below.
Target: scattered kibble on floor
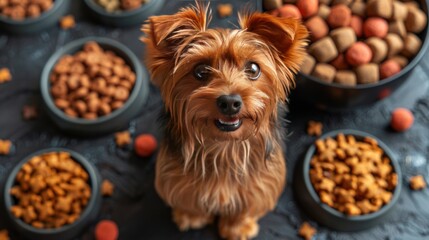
(5, 75)
(106, 230)
(225, 10)
(314, 128)
(5, 146)
(417, 182)
(145, 145)
(123, 138)
(107, 188)
(306, 231)
(67, 22)
(29, 112)
(402, 119)
(4, 235)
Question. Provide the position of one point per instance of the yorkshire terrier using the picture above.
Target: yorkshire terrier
(222, 152)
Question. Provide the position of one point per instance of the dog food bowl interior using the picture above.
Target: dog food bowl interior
(336, 97)
(124, 18)
(114, 121)
(65, 232)
(35, 25)
(310, 203)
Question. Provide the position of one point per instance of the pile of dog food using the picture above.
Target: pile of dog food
(51, 191)
(91, 83)
(355, 41)
(352, 176)
(121, 5)
(21, 9)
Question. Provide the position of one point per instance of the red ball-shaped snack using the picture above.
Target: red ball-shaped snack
(317, 27)
(340, 62)
(359, 53)
(145, 145)
(402, 119)
(106, 230)
(389, 68)
(289, 11)
(356, 24)
(340, 16)
(375, 27)
(308, 8)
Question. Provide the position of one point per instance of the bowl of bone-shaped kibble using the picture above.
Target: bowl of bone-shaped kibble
(30, 16)
(359, 51)
(52, 194)
(93, 86)
(119, 13)
(349, 181)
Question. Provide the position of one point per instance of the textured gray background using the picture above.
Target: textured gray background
(135, 206)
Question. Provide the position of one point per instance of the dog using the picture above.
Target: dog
(222, 151)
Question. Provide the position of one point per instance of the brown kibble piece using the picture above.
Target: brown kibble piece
(416, 20)
(379, 8)
(5, 146)
(398, 27)
(345, 77)
(343, 38)
(417, 182)
(324, 50)
(340, 62)
(367, 73)
(67, 22)
(379, 49)
(314, 128)
(5, 75)
(122, 138)
(394, 44)
(272, 4)
(412, 45)
(29, 112)
(308, 64)
(358, 8)
(323, 11)
(107, 188)
(225, 10)
(400, 11)
(403, 61)
(306, 231)
(324, 72)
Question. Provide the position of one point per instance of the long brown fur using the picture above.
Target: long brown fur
(202, 172)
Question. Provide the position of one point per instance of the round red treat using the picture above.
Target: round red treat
(145, 145)
(402, 119)
(289, 11)
(375, 27)
(340, 62)
(359, 53)
(389, 68)
(317, 27)
(106, 230)
(357, 25)
(308, 8)
(274, 12)
(340, 16)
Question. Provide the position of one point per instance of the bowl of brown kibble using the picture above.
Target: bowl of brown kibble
(30, 16)
(120, 13)
(348, 181)
(52, 194)
(359, 51)
(93, 86)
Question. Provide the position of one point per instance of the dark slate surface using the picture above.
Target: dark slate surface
(135, 206)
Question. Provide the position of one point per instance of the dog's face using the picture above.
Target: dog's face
(223, 84)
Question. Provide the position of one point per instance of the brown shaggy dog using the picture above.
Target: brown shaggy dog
(222, 153)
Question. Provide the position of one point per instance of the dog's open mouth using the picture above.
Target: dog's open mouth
(229, 124)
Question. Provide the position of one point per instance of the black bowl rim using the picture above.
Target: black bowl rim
(338, 214)
(88, 166)
(119, 14)
(384, 81)
(44, 15)
(118, 47)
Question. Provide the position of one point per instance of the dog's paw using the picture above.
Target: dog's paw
(186, 221)
(247, 228)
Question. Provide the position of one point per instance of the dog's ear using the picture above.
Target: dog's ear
(165, 35)
(287, 39)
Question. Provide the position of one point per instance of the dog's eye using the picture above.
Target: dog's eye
(253, 71)
(202, 72)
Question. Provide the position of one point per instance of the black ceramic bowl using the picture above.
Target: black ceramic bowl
(116, 120)
(67, 231)
(333, 96)
(34, 25)
(124, 18)
(309, 200)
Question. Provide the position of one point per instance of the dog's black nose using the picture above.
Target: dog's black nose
(229, 104)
